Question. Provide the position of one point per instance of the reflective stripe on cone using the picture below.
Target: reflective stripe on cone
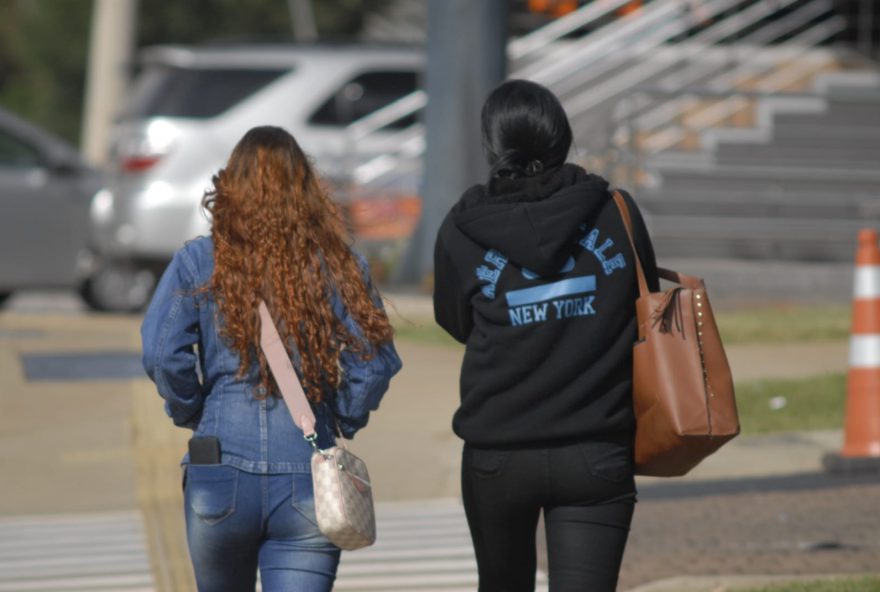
(864, 351)
(867, 284)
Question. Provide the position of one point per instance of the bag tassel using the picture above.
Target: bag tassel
(669, 315)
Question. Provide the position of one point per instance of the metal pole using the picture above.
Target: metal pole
(868, 24)
(467, 58)
(302, 17)
(110, 49)
(865, 25)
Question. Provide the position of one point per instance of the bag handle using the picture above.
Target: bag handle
(689, 281)
(627, 222)
(288, 382)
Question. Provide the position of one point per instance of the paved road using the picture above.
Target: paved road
(83, 552)
(757, 506)
(423, 545)
(795, 524)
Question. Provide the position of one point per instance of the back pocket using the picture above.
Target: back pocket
(608, 460)
(487, 463)
(302, 496)
(211, 491)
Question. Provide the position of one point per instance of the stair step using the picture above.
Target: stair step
(849, 158)
(784, 131)
(750, 238)
(667, 205)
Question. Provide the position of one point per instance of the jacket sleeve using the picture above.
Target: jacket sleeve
(644, 247)
(364, 385)
(452, 306)
(169, 335)
(364, 381)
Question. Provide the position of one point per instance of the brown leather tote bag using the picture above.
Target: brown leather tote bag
(682, 386)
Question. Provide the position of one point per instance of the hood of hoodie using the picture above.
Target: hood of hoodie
(534, 221)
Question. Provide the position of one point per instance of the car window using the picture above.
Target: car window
(167, 91)
(17, 154)
(364, 94)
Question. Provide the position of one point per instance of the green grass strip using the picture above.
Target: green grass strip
(765, 406)
(869, 584)
(763, 325)
(422, 331)
(784, 324)
(815, 403)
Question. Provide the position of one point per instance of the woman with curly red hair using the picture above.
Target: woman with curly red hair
(276, 237)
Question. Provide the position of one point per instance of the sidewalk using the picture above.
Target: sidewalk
(65, 445)
(791, 525)
(759, 506)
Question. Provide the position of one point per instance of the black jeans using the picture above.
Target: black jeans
(587, 492)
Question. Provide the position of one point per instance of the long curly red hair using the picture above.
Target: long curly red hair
(278, 237)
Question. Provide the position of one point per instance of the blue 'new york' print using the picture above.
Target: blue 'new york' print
(563, 299)
(559, 300)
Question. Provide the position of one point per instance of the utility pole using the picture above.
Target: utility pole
(467, 58)
(110, 49)
(302, 17)
(867, 27)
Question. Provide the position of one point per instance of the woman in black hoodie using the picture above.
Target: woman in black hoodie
(535, 274)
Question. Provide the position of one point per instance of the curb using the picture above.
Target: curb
(731, 583)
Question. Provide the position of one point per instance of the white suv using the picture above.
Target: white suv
(188, 108)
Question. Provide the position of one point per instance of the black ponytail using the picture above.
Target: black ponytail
(525, 130)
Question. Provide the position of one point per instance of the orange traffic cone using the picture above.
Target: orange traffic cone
(861, 447)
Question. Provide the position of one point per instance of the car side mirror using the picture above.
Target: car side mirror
(62, 164)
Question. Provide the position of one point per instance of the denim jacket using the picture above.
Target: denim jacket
(195, 372)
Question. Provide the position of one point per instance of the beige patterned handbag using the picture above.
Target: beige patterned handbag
(343, 495)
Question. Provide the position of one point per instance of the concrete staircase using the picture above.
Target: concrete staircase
(744, 129)
(797, 186)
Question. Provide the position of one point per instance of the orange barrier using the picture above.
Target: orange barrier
(383, 217)
(554, 8)
(630, 8)
(861, 448)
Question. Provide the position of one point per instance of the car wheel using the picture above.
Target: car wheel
(4, 296)
(118, 287)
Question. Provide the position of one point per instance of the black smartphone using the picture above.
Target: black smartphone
(204, 450)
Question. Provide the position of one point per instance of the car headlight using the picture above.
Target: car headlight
(101, 210)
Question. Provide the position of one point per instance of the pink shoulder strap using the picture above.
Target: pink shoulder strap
(285, 376)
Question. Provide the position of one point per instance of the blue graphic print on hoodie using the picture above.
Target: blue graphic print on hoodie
(536, 277)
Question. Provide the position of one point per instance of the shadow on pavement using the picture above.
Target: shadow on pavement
(798, 482)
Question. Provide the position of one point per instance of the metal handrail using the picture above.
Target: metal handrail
(387, 115)
(664, 113)
(584, 59)
(559, 28)
(745, 49)
(802, 173)
(517, 50)
(711, 115)
(596, 45)
(609, 88)
(616, 35)
(708, 93)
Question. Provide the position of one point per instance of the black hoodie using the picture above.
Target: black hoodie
(537, 277)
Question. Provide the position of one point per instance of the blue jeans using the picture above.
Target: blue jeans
(237, 522)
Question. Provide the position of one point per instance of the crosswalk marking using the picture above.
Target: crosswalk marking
(103, 552)
(423, 546)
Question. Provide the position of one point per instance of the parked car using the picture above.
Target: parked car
(46, 192)
(188, 108)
